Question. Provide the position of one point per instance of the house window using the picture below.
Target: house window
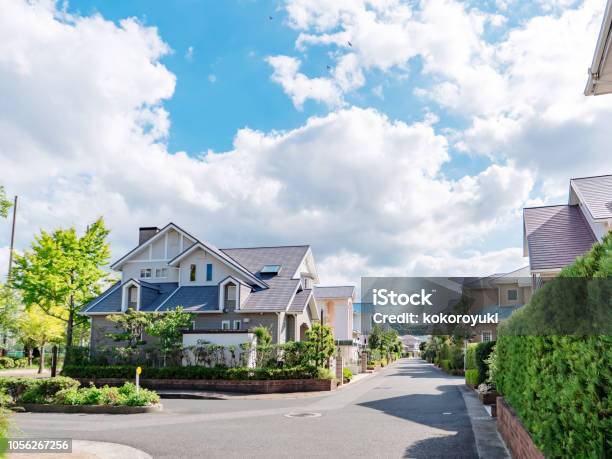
(512, 295)
(161, 273)
(145, 273)
(193, 325)
(230, 297)
(487, 336)
(225, 325)
(132, 297)
(209, 272)
(237, 325)
(192, 273)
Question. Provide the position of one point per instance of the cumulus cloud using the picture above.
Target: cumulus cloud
(84, 132)
(520, 94)
(299, 87)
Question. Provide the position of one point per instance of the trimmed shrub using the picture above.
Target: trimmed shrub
(470, 356)
(43, 390)
(481, 355)
(125, 395)
(347, 373)
(446, 365)
(471, 377)
(6, 362)
(191, 372)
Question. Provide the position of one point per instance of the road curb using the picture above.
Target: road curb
(488, 441)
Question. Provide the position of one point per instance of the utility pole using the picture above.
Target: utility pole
(10, 263)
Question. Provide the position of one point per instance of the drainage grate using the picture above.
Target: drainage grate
(302, 415)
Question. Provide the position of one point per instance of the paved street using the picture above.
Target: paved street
(410, 409)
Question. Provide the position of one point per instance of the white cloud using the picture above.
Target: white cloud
(83, 135)
(299, 87)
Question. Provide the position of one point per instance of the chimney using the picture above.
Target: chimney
(147, 232)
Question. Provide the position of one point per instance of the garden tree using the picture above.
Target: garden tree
(62, 272)
(168, 327)
(132, 326)
(321, 344)
(5, 204)
(40, 329)
(376, 338)
(263, 335)
(10, 309)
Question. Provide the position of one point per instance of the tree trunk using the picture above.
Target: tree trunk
(3, 351)
(41, 365)
(30, 356)
(70, 325)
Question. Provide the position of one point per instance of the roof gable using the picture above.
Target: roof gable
(136, 250)
(556, 235)
(595, 193)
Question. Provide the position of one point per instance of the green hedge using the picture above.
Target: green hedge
(471, 377)
(481, 354)
(470, 356)
(190, 372)
(560, 385)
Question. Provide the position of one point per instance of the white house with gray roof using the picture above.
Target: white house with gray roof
(229, 290)
(335, 305)
(553, 236)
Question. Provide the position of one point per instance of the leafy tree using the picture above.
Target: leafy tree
(5, 204)
(10, 309)
(263, 335)
(40, 329)
(168, 328)
(321, 344)
(376, 338)
(62, 272)
(132, 326)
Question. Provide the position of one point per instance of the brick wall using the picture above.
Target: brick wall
(257, 387)
(514, 433)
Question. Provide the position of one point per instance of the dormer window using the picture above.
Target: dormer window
(192, 273)
(132, 297)
(271, 269)
(146, 273)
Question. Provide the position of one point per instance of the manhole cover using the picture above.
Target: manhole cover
(302, 415)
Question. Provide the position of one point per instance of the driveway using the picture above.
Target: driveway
(410, 409)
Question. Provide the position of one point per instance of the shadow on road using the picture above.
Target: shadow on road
(444, 411)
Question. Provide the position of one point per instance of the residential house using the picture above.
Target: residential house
(228, 290)
(500, 294)
(335, 305)
(553, 236)
(600, 72)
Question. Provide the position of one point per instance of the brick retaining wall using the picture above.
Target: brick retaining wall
(252, 386)
(513, 432)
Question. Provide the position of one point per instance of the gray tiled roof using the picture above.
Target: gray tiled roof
(194, 299)
(108, 301)
(596, 193)
(164, 290)
(556, 235)
(343, 291)
(255, 258)
(300, 300)
(276, 298)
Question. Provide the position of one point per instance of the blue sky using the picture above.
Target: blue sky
(410, 151)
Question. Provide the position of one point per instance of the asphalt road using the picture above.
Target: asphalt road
(409, 409)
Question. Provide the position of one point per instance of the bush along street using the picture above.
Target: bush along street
(559, 384)
(67, 391)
